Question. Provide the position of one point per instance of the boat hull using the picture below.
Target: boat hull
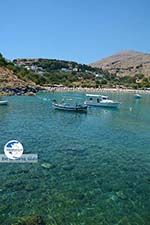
(4, 102)
(70, 108)
(107, 105)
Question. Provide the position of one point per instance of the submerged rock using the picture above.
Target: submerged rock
(121, 195)
(48, 165)
(68, 167)
(113, 197)
(124, 221)
(3, 208)
(30, 187)
(30, 220)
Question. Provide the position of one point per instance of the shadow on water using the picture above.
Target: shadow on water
(102, 111)
(4, 111)
(67, 117)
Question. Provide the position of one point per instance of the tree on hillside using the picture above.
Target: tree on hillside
(2, 60)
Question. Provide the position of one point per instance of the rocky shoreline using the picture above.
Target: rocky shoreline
(22, 90)
(32, 90)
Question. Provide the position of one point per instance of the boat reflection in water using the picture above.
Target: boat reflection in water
(3, 102)
(138, 96)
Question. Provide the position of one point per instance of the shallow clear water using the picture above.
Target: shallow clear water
(100, 162)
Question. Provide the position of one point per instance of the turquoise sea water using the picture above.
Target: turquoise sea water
(99, 162)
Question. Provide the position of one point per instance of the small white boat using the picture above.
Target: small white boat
(100, 101)
(3, 102)
(69, 107)
(137, 96)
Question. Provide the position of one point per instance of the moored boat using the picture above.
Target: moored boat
(95, 100)
(69, 107)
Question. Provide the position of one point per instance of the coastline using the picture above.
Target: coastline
(80, 89)
(20, 90)
(31, 91)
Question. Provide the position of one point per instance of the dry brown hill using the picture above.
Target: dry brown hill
(9, 79)
(10, 84)
(126, 63)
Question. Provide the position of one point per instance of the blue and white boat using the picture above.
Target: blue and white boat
(94, 100)
(69, 106)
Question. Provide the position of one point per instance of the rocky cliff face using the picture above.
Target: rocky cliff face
(128, 63)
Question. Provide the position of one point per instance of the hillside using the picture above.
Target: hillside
(23, 76)
(60, 72)
(7, 77)
(10, 83)
(128, 63)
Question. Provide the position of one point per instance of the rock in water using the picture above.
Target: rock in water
(121, 195)
(30, 220)
(48, 165)
(68, 167)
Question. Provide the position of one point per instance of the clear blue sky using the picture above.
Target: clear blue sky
(79, 30)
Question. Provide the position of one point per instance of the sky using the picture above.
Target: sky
(78, 30)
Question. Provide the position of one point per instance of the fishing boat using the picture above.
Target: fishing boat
(3, 102)
(69, 106)
(95, 100)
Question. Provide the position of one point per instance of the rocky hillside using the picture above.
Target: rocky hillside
(27, 76)
(18, 74)
(128, 63)
(8, 78)
(10, 84)
(11, 81)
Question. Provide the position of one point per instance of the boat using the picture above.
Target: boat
(137, 96)
(3, 102)
(94, 100)
(69, 107)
